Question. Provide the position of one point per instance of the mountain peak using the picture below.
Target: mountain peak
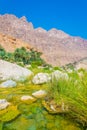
(8, 16)
(40, 30)
(23, 18)
(57, 33)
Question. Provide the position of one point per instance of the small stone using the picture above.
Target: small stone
(39, 94)
(3, 104)
(52, 107)
(26, 97)
(8, 84)
(41, 78)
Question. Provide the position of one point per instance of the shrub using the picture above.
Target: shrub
(21, 55)
(73, 93)
(2, 52)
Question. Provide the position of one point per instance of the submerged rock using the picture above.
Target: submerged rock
(3, 104)
(12, 71)
(28, 99)
(59, 75)
(8, 84)
(39, 94)
(41, 78)
(52, 107)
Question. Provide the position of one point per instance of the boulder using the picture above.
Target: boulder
(39, 94)
(8, 84)
(3, 104)
(81, 66)
(13, 71)
(59, 75)
(41, 78)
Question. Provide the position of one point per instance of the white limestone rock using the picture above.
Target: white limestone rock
(39, 94)
(3, 104)
(41, 78)
(27, 97)
(8, 84)
(12, 71)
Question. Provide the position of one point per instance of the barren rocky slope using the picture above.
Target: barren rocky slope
(58, 47)
(10, 43)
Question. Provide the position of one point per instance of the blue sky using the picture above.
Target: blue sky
(67, 15)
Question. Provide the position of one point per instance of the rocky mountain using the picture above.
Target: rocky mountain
(58, 47)
(10, 43)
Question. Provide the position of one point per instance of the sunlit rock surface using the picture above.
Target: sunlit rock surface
(8, 84)
(41, 78)
(39, 93)
(3, 104)
(13, 71)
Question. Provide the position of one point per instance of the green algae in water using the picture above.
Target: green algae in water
(33, 116)
(33, 127)
(9, 114)
(37, 118)
(1, 125)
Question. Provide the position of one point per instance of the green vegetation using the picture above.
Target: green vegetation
(72, 94)
(32, 116)
(9, 114)
(23, 57)
(68, 110)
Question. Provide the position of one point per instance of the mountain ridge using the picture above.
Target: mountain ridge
(58, 47)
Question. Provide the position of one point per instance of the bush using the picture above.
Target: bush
(73, 93)
(2, 52)
(21, 55)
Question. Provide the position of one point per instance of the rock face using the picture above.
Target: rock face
(81, 64)
(8, 84)
(58, 47)
(13, 71)
(3, 104)
(10, 43)
(41, 78)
